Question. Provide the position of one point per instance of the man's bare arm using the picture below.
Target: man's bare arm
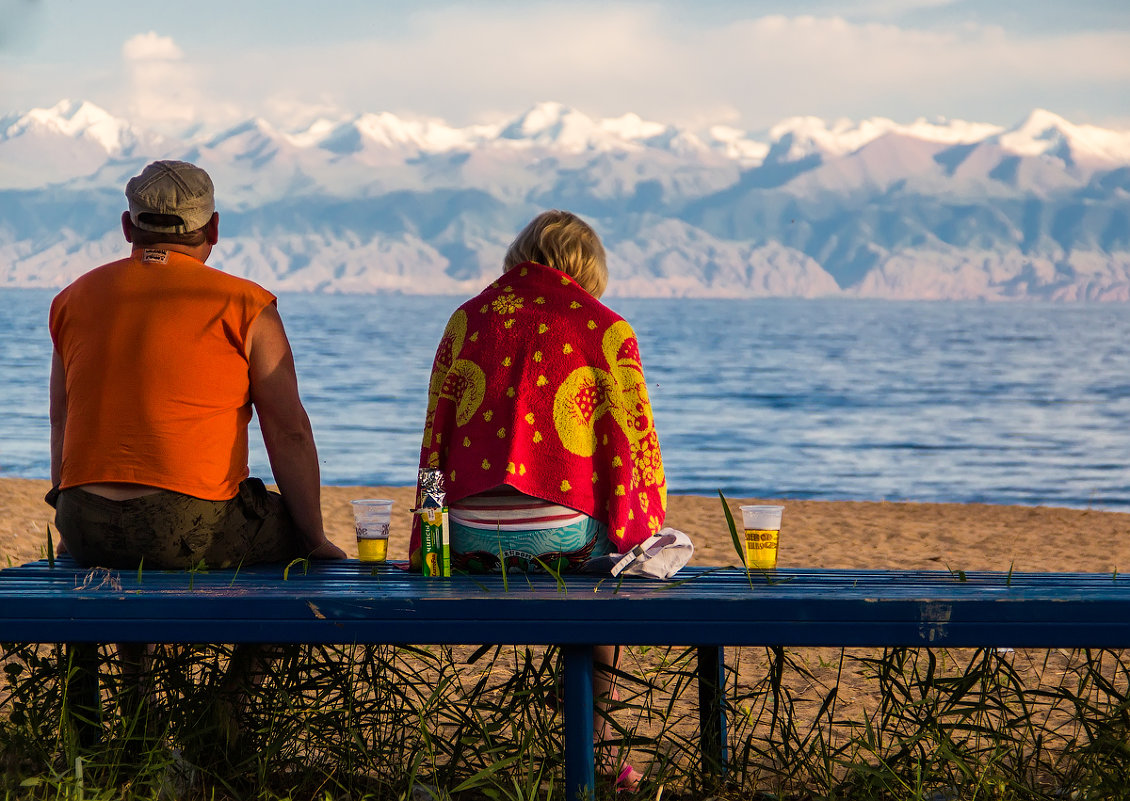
(286, 430)
(58, 415)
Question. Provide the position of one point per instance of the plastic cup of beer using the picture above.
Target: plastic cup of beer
(762, 531)
(372, 518)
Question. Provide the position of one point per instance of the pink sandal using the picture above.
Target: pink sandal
(624, 784)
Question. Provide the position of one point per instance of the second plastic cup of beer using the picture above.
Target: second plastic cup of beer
(762, 531)
(372, 519)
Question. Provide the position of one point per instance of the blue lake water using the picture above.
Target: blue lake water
(835, 399)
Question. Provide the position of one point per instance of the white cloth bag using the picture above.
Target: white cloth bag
(660, 556)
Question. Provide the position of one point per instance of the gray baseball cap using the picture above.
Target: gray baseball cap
(174, 188)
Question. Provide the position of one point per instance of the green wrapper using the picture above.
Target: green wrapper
(435, 550)
(435, 532)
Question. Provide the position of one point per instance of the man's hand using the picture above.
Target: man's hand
(326, 550)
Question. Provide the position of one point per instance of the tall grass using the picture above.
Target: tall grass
(463, 723)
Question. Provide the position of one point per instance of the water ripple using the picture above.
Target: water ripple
(860, 400)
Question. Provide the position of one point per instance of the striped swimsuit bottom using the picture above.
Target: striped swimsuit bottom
(503, 527)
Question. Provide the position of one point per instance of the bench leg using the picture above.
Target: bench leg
(83, 693)
(580, 767)
(712, 710)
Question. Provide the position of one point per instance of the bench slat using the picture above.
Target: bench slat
(345, 602)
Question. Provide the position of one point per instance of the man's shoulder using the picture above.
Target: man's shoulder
(93, 277)
(196, 271)
(237, 282)
(103, 269)
(184, 272)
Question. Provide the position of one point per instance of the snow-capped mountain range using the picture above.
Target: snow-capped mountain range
(375, 202)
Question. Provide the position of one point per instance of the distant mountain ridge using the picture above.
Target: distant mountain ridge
(375, 202)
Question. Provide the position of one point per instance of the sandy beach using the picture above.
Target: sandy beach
(823, 534)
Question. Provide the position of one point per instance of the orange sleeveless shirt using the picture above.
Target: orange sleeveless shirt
(154, 355)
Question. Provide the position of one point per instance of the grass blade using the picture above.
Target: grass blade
(739, 546)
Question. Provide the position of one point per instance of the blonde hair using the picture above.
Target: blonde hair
(565, 242)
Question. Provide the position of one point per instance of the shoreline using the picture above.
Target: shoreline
(817, 534)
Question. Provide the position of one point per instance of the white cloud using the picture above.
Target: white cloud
(462, 63)
(467, 63)
(887, 9)
(151, 47)
(290, 112)
(830, 67)
(664, 60)
(163, 84)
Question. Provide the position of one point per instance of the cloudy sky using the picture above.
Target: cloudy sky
(747, 63)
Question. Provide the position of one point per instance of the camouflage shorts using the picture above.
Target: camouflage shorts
(168, 530)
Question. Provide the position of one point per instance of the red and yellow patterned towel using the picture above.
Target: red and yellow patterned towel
(538, 385)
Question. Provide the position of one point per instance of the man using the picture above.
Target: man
(158, 362)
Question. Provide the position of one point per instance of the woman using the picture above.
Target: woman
(539, 420)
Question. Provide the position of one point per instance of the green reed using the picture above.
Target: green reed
(377, 722)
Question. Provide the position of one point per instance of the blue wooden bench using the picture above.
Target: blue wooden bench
(349, 602)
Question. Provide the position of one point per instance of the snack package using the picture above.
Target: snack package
(435, 531)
